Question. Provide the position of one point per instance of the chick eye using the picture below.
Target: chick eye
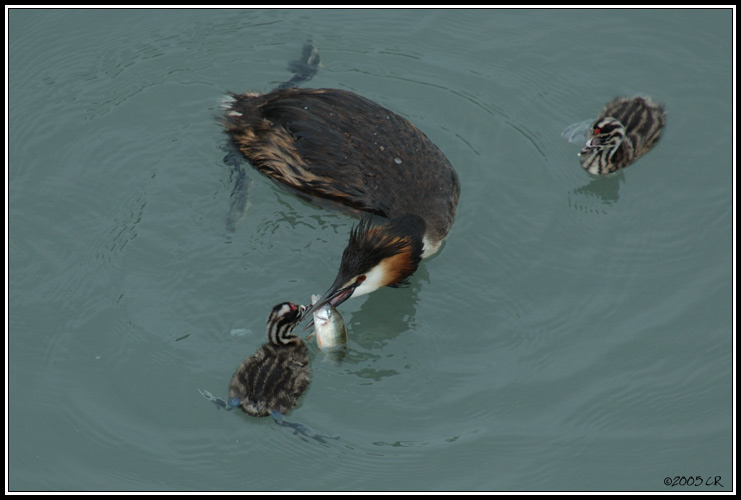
(597, 130)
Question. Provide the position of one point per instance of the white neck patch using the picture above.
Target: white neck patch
(429, 248)
(374, 279)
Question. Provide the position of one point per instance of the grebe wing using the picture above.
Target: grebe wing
(358, 152)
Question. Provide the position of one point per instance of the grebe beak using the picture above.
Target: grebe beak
(334, 296)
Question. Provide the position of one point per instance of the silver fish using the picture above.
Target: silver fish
(329, 327)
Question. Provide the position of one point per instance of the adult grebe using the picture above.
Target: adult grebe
(334, 144)
(627, 128)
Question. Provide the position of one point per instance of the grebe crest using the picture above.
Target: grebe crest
(376, 255)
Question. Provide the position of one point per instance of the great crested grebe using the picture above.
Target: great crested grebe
(627, 128)
(336, 145)
(271, 381)
(275, 377)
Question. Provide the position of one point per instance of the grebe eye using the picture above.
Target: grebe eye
(360, 279)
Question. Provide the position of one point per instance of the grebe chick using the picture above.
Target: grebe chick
(336, 145)
(275, 377)
(627, 128)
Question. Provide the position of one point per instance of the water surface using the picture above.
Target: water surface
(573, 333)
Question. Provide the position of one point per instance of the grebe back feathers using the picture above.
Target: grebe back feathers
(340, 146)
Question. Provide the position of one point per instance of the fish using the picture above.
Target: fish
(329, 327)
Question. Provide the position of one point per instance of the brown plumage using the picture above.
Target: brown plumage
(336, 145)
(276, 376)
(626, 129)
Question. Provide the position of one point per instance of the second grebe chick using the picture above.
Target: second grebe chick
(626, 129)
(336, 145)
(275, 377)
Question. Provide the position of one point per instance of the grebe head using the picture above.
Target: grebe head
(604, 139)
(282, 320)
(376, 256)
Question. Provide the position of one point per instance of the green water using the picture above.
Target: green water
(572, 334)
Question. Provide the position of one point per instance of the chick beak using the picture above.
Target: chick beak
(590, 145)
(334, 296)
